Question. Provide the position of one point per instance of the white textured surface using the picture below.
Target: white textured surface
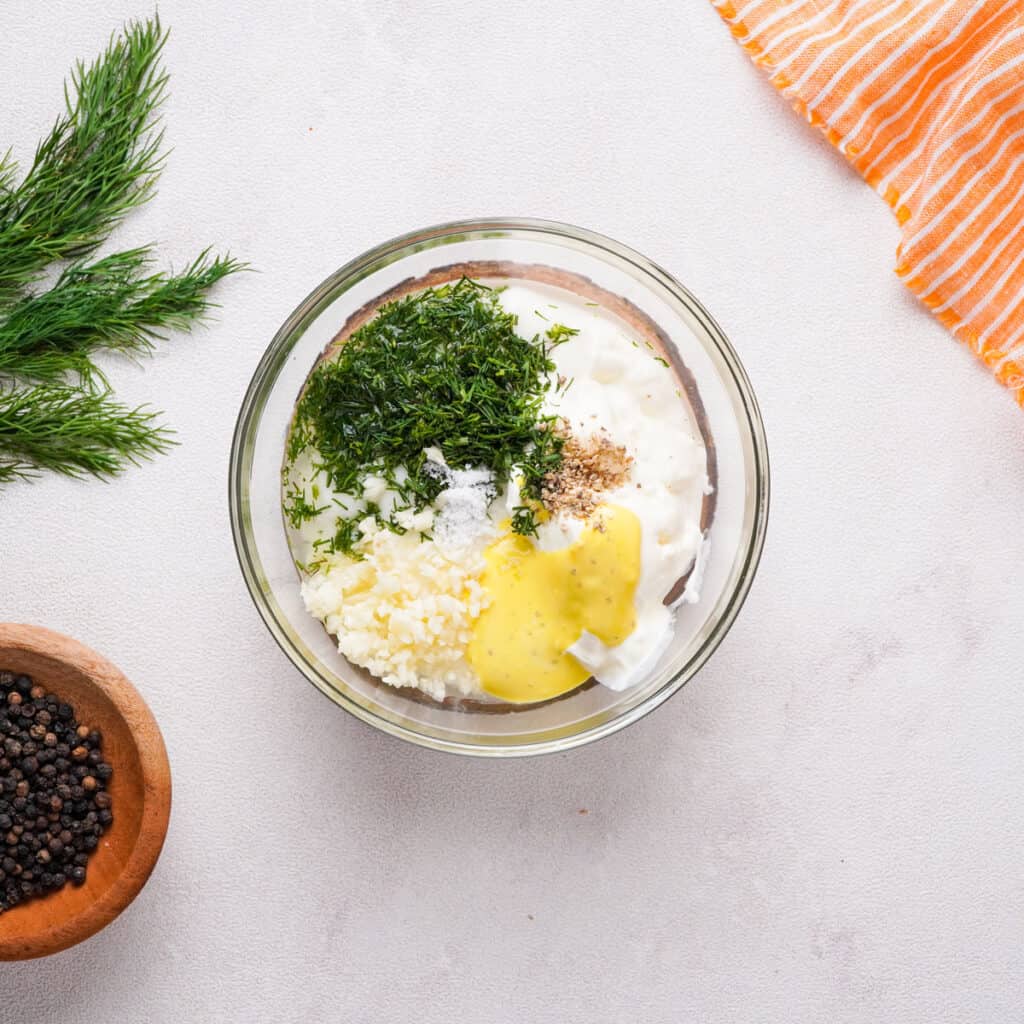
(824, 826)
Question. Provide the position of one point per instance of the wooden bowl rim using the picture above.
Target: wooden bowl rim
(156, 790)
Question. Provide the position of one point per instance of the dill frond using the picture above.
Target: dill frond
(110, 304)
(74, 432)
(99, 161)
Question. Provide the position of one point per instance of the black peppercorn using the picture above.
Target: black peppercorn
(53, 803)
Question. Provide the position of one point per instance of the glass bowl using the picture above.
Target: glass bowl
(736, 535)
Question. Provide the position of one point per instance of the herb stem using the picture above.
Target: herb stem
(109, 304)
(100, 160)
(73, 432)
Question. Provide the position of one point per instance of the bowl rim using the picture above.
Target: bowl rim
(248, 421)
(156, 789)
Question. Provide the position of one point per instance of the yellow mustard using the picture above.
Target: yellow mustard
(542, 600)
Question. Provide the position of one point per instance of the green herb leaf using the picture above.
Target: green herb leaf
(73, 432)
(444, 368)
(105, 304)
(524, 521)
(99, 161)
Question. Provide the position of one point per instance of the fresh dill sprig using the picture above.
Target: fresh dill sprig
(442, 368)
(72, 431)
(100, 160)
(106, 304)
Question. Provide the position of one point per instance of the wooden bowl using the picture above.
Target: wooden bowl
(140, 792)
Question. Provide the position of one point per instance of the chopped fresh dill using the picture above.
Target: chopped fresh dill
(557, 333)
(443, 368)
(346, 534)
(524, 520)
(658, 359)
(298, 509)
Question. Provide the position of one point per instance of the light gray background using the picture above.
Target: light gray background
(824, 826)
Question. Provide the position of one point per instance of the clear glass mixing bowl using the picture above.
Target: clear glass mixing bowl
(736, 535)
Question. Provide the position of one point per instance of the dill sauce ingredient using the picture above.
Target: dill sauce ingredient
(100, 161)
(541, 601)
(54, 804)
(441, 369)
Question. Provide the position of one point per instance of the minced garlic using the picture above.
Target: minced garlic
(404, 611)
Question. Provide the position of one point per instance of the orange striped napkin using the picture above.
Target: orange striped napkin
(926, 99)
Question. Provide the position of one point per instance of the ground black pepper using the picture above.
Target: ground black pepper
(54, 804)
